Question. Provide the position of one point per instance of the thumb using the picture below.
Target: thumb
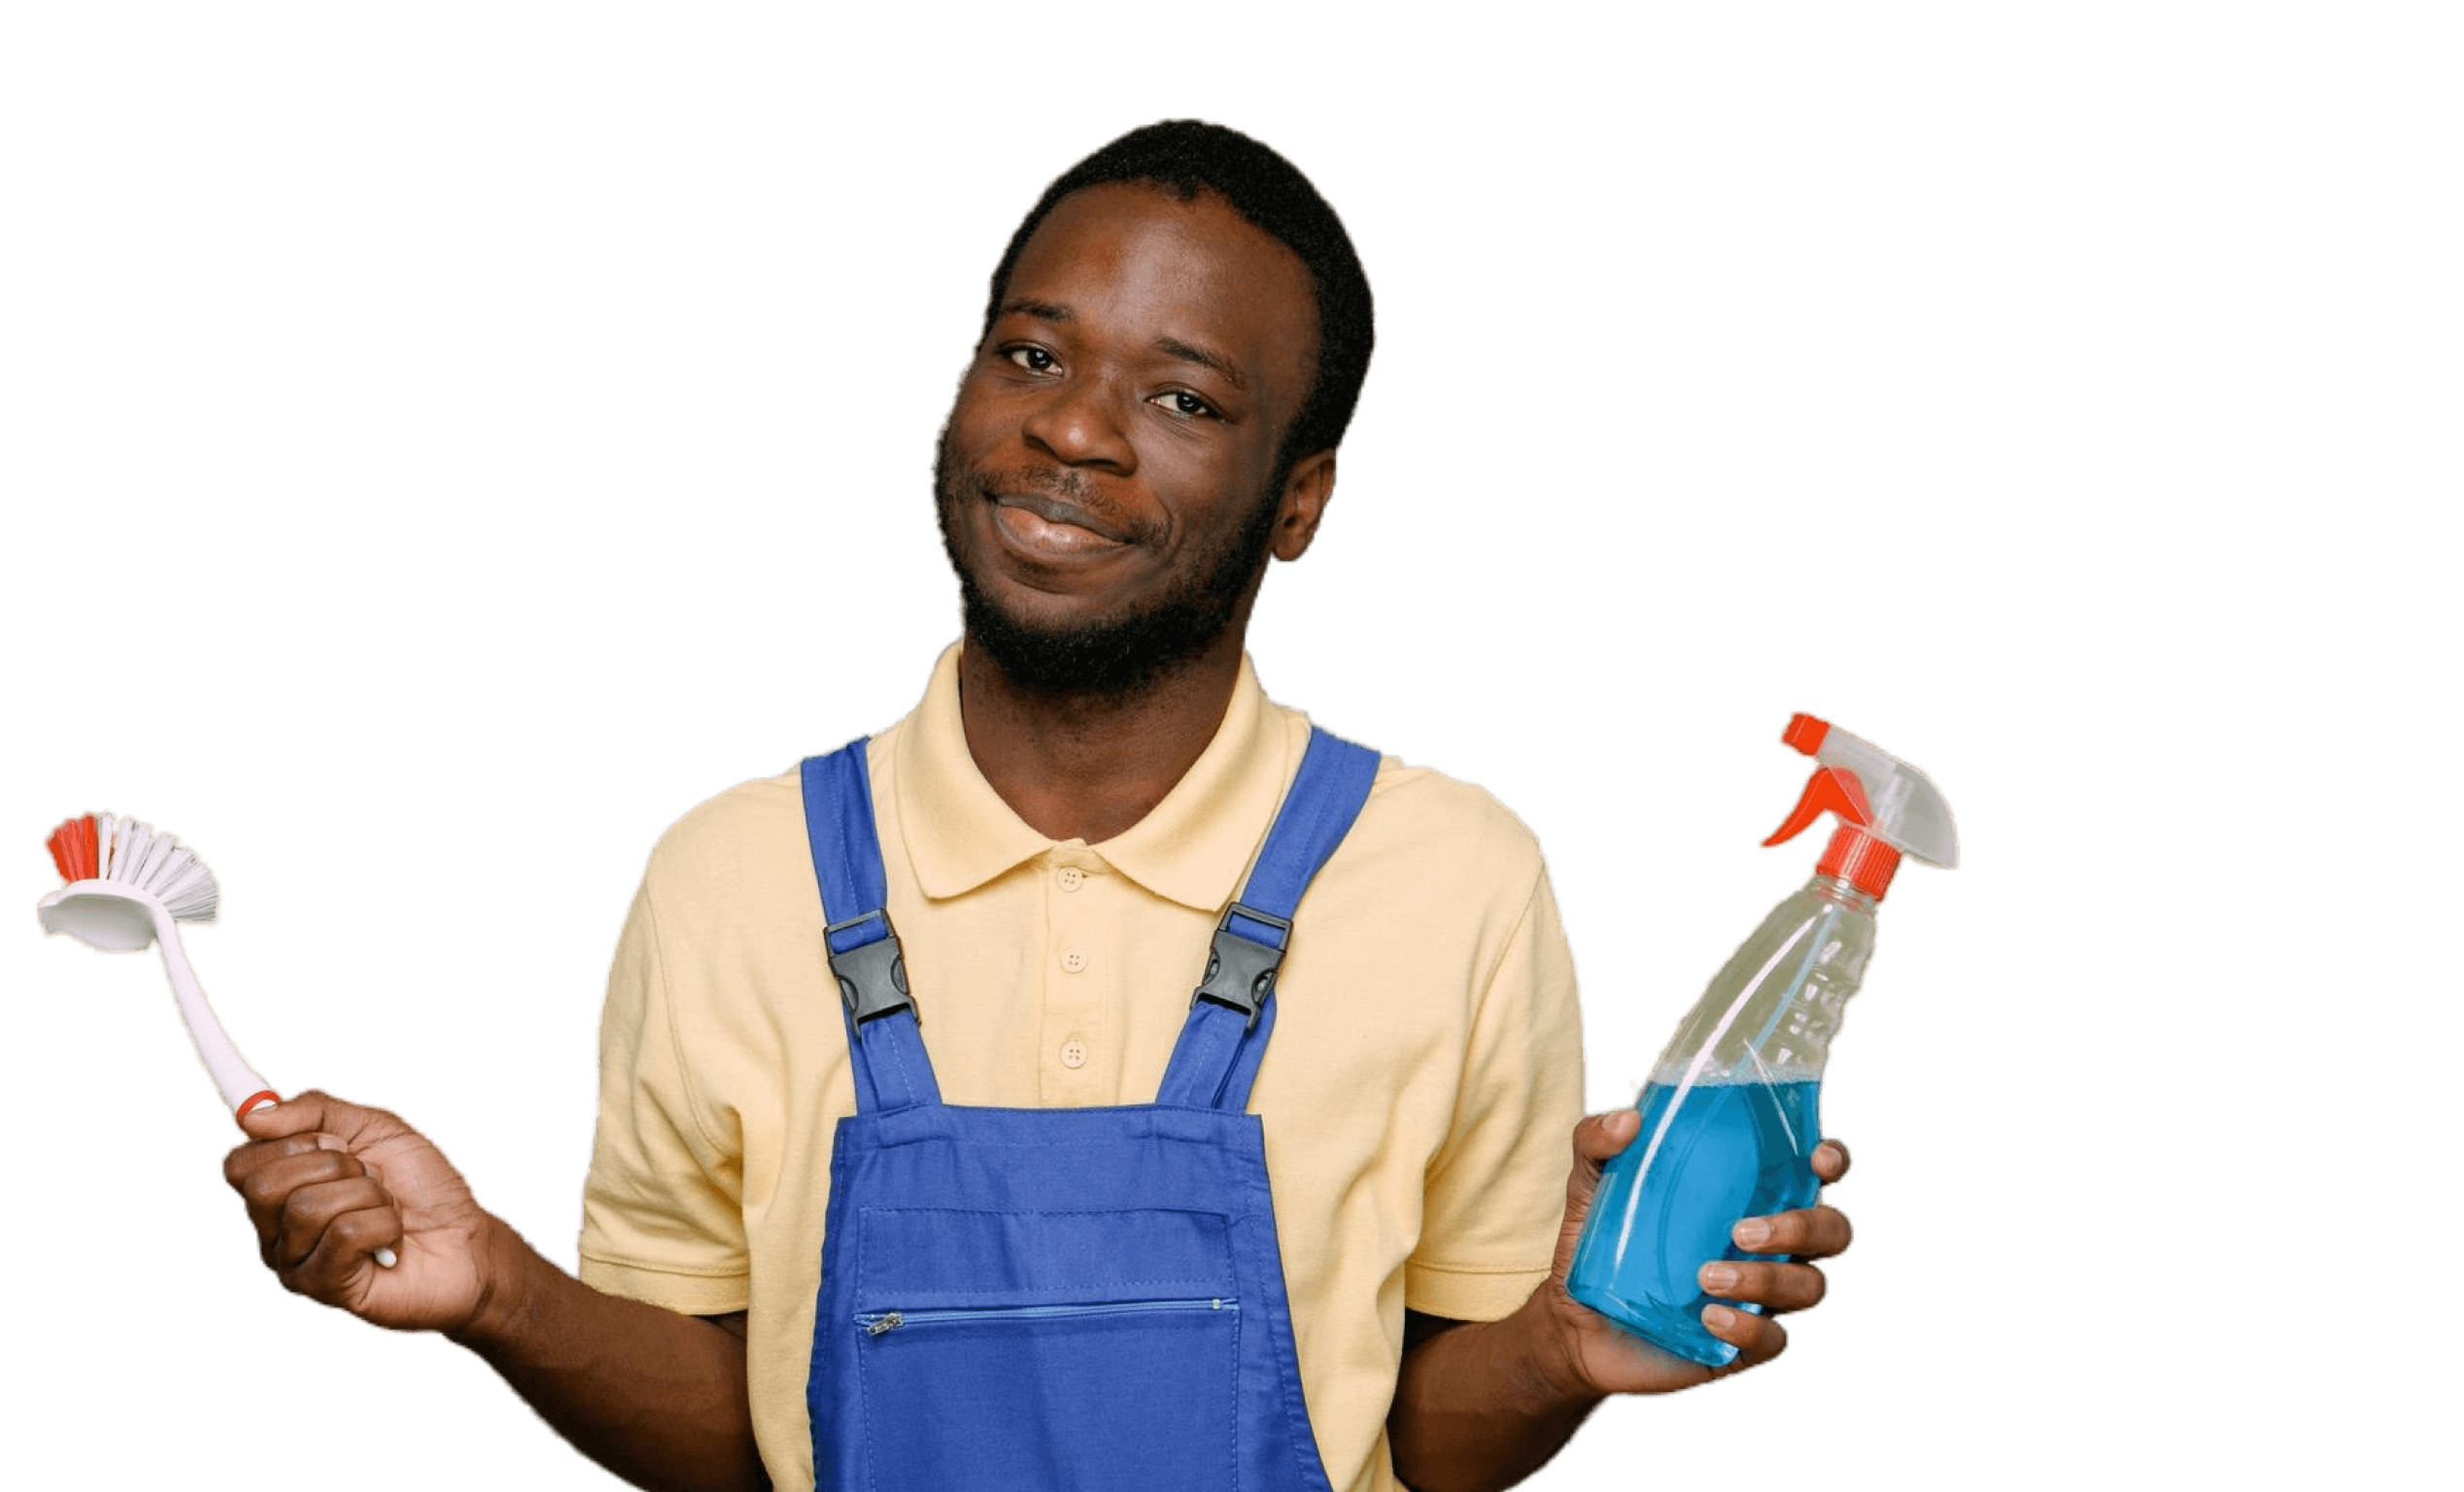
(1597, 1139)
(318, 1111)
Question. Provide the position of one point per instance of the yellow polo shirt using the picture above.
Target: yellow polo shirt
(1418, 1094)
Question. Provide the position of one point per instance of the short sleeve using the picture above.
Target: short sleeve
(1494, 1196)
(662, 1213)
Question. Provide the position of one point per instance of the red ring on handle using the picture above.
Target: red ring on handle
(259, 1098)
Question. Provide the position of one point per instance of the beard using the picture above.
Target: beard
(1113, 657)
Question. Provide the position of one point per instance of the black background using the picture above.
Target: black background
(447, 505)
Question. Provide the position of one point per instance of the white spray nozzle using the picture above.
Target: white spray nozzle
(1899, 805)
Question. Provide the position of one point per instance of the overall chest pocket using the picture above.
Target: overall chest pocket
(1095, 1350)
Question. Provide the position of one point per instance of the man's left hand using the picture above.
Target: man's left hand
(1480, 1406)
(1608, 1359)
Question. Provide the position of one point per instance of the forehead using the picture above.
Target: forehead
(1137, 261)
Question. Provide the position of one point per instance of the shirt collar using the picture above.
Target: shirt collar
(1192, 848)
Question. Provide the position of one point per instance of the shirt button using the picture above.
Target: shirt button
(1074, 1053)
(1072, 878)
(1073, 961)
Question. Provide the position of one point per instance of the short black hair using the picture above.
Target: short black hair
(1185, 156)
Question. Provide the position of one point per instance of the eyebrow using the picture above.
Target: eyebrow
(1170, 347)
(1038, 309)
(1174, 346)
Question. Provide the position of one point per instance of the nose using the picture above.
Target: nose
(1080, 423)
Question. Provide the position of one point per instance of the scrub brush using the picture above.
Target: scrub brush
(128, 886)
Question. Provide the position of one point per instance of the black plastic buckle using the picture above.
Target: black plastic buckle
(872, 978)
(1241, 971)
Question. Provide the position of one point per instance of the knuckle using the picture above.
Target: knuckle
(1771, 1341)
(299, 1214)
(1826, 1234)
(302, 1279)
(1781, 1286)
(353, 1230)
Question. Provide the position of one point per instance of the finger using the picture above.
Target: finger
(290, 1116)
(354, 1126)
(1756, 1338)
(1809, 1233)
(1597, 1139)
(249, 1165)
(308, 1213)
(1775, 1286)
(269, 1187)
(1831, 1161)
(1601, 1135)
(252, 1159)
(345, 1251)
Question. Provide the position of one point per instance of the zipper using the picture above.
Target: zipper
(879, 1322)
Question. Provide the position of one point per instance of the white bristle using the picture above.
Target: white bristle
(136, 855)
(131, 850)
(192, 887)
(106, 829)
(151, 846)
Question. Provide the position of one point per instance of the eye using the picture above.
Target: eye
(1182, 402)
(1033, 359)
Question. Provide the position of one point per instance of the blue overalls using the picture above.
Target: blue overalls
(1082, 1298)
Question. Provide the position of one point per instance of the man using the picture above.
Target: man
(1173, 344)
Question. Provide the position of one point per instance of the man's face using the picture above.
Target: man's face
(1106, 485)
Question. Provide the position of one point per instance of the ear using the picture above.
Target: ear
(1306, 493)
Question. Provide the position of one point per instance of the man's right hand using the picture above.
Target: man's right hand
(329, 1183)
(657, 1397)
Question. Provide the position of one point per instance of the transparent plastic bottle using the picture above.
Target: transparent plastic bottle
(1730, 1118)
(1730, 1113)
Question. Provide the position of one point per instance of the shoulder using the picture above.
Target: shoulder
(1429, 851)
(1430, 836)
(1428, 798)
(1420, 813)
(732, 843)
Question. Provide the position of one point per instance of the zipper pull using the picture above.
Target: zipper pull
(880, 1324)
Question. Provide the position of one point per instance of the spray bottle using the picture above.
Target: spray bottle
(1728, 1115)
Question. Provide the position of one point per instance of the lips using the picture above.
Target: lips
(1049, 519)
(1032, 510)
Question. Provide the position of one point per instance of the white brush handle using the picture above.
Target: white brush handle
(235, 1079)
(242, 1088)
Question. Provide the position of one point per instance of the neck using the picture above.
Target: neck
(1088, 766)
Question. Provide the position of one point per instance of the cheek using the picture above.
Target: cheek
(980, 414)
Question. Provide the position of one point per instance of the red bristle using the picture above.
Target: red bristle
(73, 849)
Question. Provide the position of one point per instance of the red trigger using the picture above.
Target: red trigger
(1830, 789)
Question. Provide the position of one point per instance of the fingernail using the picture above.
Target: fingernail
(1721, 1277)
(1753, 1232)
(1719, 1317)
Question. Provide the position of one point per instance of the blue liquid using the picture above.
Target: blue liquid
(1666, 1202)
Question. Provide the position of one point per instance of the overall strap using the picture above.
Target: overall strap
(886, 1049)
(1231, 1016)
